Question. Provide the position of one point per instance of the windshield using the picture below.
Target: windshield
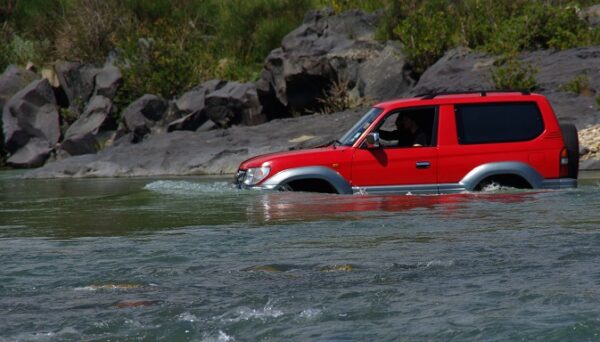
(359, 128)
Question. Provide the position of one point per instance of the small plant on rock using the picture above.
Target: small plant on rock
(580, 85)
(510, 73)
(339, 98)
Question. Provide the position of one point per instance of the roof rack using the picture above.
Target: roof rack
(429, 96)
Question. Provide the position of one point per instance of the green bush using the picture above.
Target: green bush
(510, 73)
(164, 60)
(580, 85)
(428, 28)
(428, 33)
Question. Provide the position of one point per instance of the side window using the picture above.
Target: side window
(414, 127)
(498, 122)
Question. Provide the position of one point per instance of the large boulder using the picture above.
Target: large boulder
(591, 15)
(234, 103)
(458, 70)
(12, 80)
(329, 48)
(461, 69)
(190, 107)
(82, 135)
(108, 80)
(144, 114)
(31, 124)
(77, 82)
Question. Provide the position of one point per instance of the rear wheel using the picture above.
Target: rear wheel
(569, 133)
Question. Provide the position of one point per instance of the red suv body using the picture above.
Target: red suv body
(463, 142)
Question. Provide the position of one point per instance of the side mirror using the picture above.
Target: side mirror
(373, 140)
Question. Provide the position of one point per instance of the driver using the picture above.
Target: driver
(408, 132)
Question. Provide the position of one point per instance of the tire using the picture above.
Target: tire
(571, 140)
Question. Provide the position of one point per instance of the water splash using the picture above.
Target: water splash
(221, 337)
(310, 313)
(246, 314)
(189, 188)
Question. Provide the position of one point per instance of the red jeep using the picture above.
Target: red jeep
(434, 143)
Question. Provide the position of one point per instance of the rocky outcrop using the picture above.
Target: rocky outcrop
(82, 137)
(12, 80)
(143, 114)
(190, 107)
(213, 152)
(77, 82)
(234, 103)
(591, 15)
(330, 48)
(461, 69)
(107, 82)
(31, 125)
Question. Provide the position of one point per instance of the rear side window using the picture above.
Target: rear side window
(498, 122)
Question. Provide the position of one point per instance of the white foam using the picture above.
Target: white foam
(436, 263)
(245, 314)
(187, 188)
(310, 313)
(221, 337)
(188, 317)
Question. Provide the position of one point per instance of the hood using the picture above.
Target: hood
(315, 156)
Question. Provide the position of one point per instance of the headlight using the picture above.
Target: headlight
(255, 174)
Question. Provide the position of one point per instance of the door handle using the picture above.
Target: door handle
(423, 165)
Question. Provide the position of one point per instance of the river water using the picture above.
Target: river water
(195, 259)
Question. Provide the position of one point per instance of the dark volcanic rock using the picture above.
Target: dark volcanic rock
(30, 122)
(234, 103)
(460, 69)
(77, 82)
(330, 48)
(107, 81)
(143, 114)
(12, 80)
(213, 152)
(81, 137)
(190, 107)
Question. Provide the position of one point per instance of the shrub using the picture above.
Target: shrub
(579, 85)
(428, 33)
(539, 26)
(365, 5)
(165, 61)
(510, 73)
(90, 29)
(339, 98)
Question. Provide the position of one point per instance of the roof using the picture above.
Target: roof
(476, 96)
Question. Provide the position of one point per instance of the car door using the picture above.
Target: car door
(390, 168)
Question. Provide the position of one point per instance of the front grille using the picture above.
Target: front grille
(239, 178)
